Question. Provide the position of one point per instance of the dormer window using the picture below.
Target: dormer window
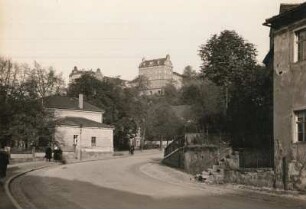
(300, 45)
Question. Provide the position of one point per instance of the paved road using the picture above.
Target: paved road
(137, 181)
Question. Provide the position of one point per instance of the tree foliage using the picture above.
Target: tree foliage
(230, 62)
(23, 120)
(163, 122)
(227, 58)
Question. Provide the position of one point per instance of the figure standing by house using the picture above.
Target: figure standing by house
(4, 160)
(57, 156)
(132, 149)
(48, 152)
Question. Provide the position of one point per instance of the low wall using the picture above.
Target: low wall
(199, 157)
(193, 159)
(20, 158)
(85, 155)
(252, 177)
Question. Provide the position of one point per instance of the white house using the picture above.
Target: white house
(79, 130)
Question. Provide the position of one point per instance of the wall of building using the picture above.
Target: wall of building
(95, 116)
(289, 96)
(104, 138)
(158, 76)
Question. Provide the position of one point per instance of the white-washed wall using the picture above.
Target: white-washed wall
(104, 137)
(95, 116)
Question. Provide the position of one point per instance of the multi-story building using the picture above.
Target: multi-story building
(159, 73)
(75, 74)
(288, 59)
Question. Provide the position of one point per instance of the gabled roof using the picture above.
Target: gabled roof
(288, 15)
(151, 63)
(63, 102)
(77, 121)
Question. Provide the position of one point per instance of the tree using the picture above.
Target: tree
(227, 58)
(22, 117)
(189, 74)
(163, 123)
(205, 99)
(230, 62)
(45, 82)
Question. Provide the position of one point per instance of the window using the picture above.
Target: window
(93, 141)
(301, 126)
(75, 139)
(300, 53)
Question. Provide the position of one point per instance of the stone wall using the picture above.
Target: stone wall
(199, 158)
(20, 158)
(251, 177)
(88, 154)
(193, 159)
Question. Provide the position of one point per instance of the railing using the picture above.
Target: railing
(174, 145)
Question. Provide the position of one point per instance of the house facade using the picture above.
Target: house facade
(159, 73)
(288, 55)
(79, 130)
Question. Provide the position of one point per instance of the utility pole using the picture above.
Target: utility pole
(80, 144)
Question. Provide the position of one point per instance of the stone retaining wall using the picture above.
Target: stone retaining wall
(255, 177)
(193, 159)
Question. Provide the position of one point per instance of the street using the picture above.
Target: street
(138, 181)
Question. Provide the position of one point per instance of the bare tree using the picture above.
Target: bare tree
(47, 82)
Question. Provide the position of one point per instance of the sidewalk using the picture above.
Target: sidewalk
(12, 170)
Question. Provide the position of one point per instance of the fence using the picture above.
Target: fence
(256, 158)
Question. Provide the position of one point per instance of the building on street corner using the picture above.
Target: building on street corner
(79, 130)
(288, 58)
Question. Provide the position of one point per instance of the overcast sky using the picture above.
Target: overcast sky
(115, 35)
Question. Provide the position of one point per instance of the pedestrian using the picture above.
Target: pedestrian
(48, 154)
(132, 149)
(57, 156)
(4, 160)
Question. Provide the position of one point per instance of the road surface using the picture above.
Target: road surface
(138, 181)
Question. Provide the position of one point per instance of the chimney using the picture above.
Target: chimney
(81, 101)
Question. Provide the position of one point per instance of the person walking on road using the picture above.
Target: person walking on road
(4, 160)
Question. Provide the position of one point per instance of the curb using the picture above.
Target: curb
(7, 184)
(8, 181)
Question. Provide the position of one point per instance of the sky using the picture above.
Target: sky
(114, 35)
